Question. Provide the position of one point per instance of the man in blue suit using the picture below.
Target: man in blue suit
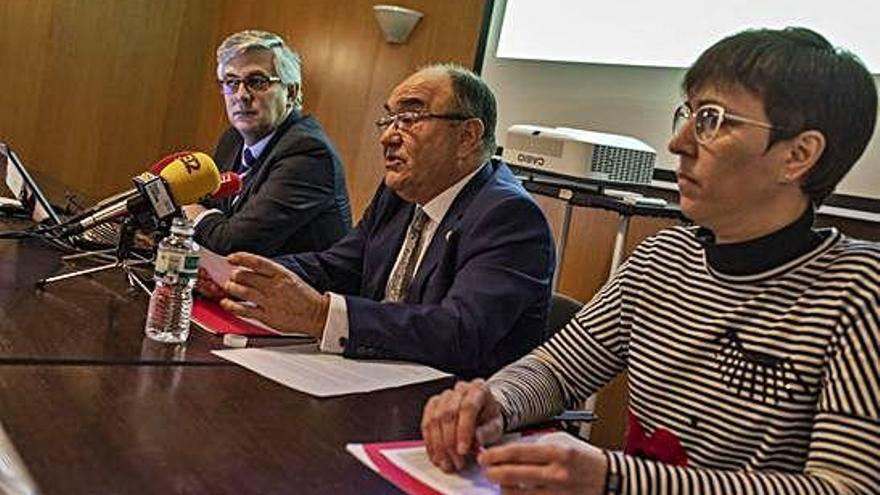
(451, 263)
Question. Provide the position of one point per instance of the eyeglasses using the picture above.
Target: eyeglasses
(405, 120)
(708, 119)
(256, 83)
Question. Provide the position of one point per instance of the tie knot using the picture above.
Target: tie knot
(248, 158)
(420, 218)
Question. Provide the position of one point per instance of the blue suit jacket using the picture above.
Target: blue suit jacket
(480, 297)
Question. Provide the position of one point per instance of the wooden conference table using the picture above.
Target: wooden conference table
(91, 406)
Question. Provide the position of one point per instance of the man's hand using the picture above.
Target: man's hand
(193, 210)
(279, 297)
(458, 421)
(550, 469)
(145, 240)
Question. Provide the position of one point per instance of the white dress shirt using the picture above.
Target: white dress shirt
(336, 326)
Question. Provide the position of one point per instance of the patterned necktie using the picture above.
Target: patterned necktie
(401, 276)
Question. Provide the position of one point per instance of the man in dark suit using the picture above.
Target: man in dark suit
(293, 197)
(452, 262)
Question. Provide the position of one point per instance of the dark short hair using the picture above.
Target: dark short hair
(805, 83)
(473, 98)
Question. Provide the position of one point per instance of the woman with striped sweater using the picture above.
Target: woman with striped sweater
(752, 339)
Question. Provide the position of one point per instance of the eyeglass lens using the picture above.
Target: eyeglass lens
(403, 120)
(252, 83)
(679, 119)
(707, 121)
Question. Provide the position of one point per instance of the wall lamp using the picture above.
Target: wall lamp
(396, 22)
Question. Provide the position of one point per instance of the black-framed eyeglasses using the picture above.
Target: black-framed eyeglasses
(405, 120)
(255, 83)
(708, 119)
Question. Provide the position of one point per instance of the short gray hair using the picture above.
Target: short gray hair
(472, 98)
(288, 65)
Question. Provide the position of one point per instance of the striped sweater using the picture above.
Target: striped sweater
(770, 380)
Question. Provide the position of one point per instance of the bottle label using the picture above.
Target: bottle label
(175, 265)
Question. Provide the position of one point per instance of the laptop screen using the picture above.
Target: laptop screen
(24, 188)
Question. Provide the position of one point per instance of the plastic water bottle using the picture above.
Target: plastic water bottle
(176, 271)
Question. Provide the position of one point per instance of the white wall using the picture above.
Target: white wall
(634, 101)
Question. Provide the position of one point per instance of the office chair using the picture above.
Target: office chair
(562, 309)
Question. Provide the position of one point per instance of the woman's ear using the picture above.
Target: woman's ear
(804, 150)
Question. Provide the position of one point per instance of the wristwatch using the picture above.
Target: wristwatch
(613, 483)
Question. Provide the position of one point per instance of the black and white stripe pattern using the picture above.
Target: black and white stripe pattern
(770, 381)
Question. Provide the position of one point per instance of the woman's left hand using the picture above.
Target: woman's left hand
(546, 469)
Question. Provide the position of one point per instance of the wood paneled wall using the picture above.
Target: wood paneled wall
(96, 90)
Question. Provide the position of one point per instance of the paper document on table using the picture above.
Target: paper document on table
(306, 369)
(407, 466)
(217, 267)
(468, 481)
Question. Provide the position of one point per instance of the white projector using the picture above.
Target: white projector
(580, 154)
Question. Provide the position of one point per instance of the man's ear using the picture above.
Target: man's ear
(804, 150)
(472, 135)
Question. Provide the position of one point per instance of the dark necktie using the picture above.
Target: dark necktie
(243, 170)
(401, 276)
(249, 160)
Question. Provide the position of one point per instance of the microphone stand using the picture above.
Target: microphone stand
(125, 259)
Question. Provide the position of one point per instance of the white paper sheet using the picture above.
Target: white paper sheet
(304, 368)
(217, 267)
(470, 481)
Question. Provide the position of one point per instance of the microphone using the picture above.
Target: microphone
(187, 178)
(191, 177)
(230, 185)
(122, 197)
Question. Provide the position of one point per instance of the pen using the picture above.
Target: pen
(574, 415)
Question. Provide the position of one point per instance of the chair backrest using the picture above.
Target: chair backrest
(562, 309)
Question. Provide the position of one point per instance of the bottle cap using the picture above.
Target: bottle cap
(182, 226)
(233, 340)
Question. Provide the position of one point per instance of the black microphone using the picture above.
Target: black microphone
(104, 215)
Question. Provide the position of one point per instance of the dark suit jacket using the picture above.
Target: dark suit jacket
(480, 297)
(293, 200)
